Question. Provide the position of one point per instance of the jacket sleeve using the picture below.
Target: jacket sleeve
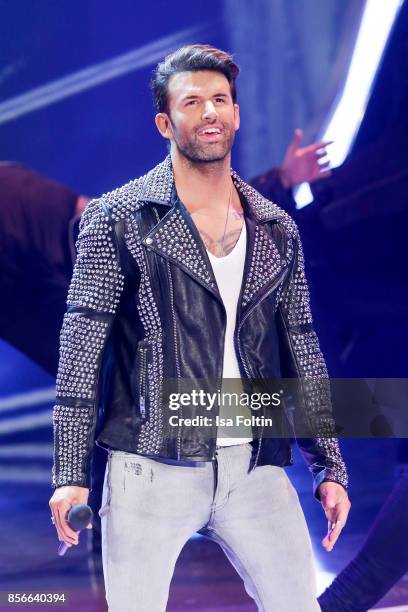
(93, 296)
(303, 360)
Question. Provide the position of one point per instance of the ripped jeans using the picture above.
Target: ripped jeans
(151, 508)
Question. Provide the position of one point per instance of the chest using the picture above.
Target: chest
(220, 235)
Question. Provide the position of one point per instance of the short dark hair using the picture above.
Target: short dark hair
(191, 58)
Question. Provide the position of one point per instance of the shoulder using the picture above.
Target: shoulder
(123, 201)
(282, 225)
(289, 225)
(265, 210)
(114, 205)
(269, 211)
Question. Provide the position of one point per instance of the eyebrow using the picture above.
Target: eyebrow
(195, 97)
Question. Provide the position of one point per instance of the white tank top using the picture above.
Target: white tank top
(228, 272)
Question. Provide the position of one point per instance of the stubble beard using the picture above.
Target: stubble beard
(205, 153)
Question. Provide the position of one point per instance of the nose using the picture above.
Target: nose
(210, 112)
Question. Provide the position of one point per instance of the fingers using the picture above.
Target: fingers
(333, 533)
(325, 165)
(295, 144)
(335, 526)
(315, 151)
(319, 145)
(65, 533)
(69, 535)
(323, 153)
(298, 135)
(319, 171)
(337, 518)
(316, 162)
(317, 158)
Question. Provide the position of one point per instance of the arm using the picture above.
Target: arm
(93, 297)
(303, 360)
(313, 421)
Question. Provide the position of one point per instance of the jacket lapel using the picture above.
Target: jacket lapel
(264, 266)
(176, 238)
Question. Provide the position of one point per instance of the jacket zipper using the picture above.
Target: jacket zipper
(176, 360)
(180, 428)
(242, 354)
(222, 369)
(195, 231)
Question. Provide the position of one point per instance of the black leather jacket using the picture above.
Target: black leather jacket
(144, 307)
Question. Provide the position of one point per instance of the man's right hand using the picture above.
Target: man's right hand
(60, 503)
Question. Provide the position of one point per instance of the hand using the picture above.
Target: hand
(301, 164)
(336, 505)
(81, 203)
(60, 503)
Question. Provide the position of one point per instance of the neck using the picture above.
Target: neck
(203, 184)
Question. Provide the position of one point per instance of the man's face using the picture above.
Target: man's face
(202, 118)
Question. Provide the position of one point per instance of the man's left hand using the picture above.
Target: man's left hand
(336, 506)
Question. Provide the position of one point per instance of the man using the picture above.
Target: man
(38, 222)
(188, 273)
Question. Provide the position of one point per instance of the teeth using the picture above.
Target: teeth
(212, 131)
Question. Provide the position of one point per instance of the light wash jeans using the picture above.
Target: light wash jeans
(151, 508)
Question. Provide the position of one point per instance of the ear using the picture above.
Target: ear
(236, 117)
(163, 125)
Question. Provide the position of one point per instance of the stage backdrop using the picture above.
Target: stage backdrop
(75, 102)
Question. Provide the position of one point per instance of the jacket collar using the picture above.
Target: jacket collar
(159, 183)
(176, 238)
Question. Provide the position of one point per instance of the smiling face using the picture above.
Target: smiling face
(202, 118)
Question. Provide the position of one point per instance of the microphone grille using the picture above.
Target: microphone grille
(79, 516)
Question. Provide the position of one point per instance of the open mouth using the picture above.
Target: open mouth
(210, 134)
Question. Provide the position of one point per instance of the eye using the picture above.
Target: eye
(191, 102)
(222, 100)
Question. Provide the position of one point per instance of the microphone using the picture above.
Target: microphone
(78, 518)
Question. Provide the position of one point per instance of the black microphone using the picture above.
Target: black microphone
(78, 518)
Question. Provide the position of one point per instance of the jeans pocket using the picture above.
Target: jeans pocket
(106, 495)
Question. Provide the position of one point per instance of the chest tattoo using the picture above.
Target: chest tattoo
(221, 247)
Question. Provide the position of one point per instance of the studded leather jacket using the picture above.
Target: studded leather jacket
(143, 307)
